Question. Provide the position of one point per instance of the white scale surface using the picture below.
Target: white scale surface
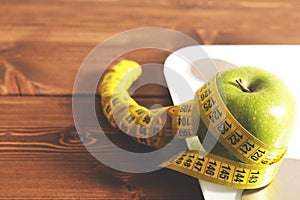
(282, 60)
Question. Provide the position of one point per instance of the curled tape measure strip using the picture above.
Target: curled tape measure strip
(259, 162)
(182, 120)
(215, 169)
(230, 133)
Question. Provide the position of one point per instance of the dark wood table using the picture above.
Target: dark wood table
(42, 45)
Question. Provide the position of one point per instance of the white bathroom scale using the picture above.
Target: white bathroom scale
(187, 69)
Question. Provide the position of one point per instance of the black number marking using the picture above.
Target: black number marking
(139, 111)
(254, 177)
(246, 147)
(199, 164)
(179, 160)
(205, 94)
(209, 104)
(215, 115)
(185, 108)
(239, 176)
(183, 132)
(257, 155)
(183, 121)
(224, 127)
(210, 170)
(235, 138)
(147, 119)
(191, 156)
(187, 164)
(225, 172)
(130, 118)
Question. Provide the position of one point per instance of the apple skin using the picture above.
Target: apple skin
(267, 112)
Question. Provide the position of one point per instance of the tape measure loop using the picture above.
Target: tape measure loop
(258, 163)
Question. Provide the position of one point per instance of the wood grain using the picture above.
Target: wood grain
(48, 40)
(46, 124)
(80, 176)
(42, 156)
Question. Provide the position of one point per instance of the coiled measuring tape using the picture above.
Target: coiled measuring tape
(258, 163)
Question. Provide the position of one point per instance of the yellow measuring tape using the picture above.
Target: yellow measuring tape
(258, 163)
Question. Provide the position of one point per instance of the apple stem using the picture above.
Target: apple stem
(241, 84)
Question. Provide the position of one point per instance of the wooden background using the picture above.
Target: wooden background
(42, 45)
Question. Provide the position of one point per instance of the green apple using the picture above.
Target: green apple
(260, 101)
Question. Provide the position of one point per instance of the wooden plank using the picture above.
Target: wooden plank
(79, 176)
(41, 156)
(246, 21)
(46, 41)
(22, 112)
(115, 16)
(45, 124)
(53, 163)
(27, 75)
(42, 111)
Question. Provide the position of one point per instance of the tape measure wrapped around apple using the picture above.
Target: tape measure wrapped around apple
(248, 111)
